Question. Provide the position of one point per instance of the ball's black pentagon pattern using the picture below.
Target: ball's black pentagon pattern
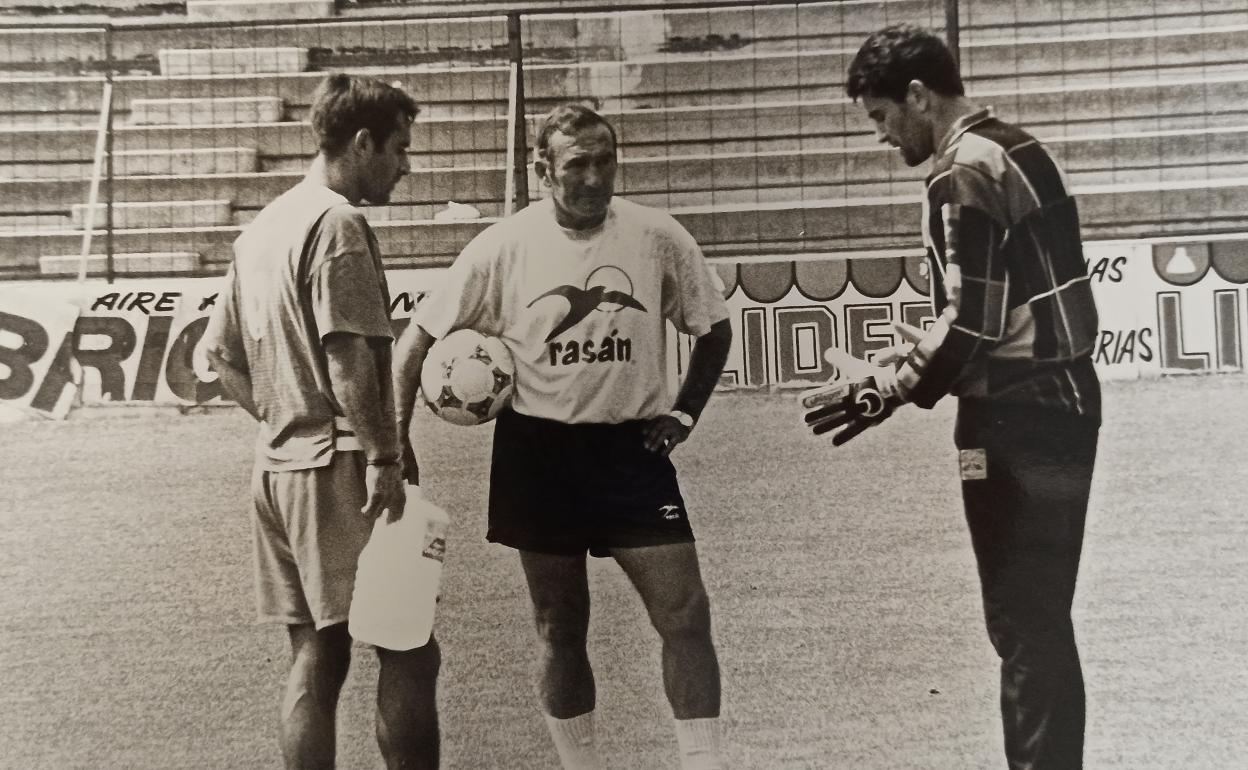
(447, 399)
(480, 408)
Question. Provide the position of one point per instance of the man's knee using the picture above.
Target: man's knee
(686, 616)
(420, 665)
(562, 621)
(1035, 646)
(562, 629)
(320, 658)
(559, 591)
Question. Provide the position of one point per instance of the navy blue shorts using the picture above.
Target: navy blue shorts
(565, 489)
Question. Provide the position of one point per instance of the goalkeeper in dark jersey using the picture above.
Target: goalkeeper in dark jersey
(1013, 340)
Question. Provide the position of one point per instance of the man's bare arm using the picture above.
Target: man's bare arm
(360, 380)
(235, 381)
(409, 356)
(706, 363)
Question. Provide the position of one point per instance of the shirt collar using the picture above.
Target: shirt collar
(960, 127)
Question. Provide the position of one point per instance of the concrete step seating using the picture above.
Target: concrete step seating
(78, 172)
(677, 80)
(1177, 103)
(200, 112)
(156, 214)
(769, 175)
(846, 24)
(144, 263)
(741, 125)
(253, 191)
(347, 42)
(439, 90)
(427, 161)
(1056, 16)
(33, 44)
(1126, 210)
(867, 172)
(191, 62)
(609, 34)
(612, 35)
(434, 241)
(404, 212)
(760, 126)
(1092, 56)
(21, 222)
(820, 73)
(184, 161)
(1208, 153)
(269, 140)
(235, 10)
(1120, 210)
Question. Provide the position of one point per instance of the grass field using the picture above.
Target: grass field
(846, 605)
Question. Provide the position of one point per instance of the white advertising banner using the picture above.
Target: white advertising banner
(1169, 308)
(36, 339)
(1165, 308)
(785, 314)
(1120, 274)
(135, 341)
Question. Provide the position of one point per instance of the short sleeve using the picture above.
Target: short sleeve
(693, 297)
(344, 279)
(224, 334)
(464, 298)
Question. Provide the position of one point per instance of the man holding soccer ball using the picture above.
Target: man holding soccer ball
(580, 287)
(1013, 339)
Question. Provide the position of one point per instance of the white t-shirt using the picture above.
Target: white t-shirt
(268, 323)
(583, 312)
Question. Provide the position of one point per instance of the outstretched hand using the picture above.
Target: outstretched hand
(910, 335)
(848, 408)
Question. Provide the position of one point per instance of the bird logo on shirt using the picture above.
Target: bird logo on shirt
(608, 289)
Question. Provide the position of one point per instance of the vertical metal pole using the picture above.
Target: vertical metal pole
(519, 137)
(93, 189)
(108, 150)
(509, 178)
(952, 28)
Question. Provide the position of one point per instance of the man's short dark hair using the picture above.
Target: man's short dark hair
(898, 54)
(567, 119)
(343, 104)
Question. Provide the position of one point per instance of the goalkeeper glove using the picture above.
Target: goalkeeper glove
(850, 408)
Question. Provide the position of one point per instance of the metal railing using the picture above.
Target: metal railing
(730, 114)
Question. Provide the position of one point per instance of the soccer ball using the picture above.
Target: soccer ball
(467, 377)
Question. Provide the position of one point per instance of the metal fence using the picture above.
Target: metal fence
(730, 115)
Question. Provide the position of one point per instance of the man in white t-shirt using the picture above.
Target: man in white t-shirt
(301, 339)
(580, 287)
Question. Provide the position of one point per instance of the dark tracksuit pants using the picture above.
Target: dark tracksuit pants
(1026, 518)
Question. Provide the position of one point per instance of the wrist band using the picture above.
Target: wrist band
(384, 461)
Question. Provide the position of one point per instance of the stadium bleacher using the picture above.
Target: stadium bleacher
(734, 118)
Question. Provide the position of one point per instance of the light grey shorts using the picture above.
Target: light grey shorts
(308, 538)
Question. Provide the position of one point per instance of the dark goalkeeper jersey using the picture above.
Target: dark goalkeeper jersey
(1015, 317)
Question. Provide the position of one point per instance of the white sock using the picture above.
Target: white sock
(699, 744)
(574, 740)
